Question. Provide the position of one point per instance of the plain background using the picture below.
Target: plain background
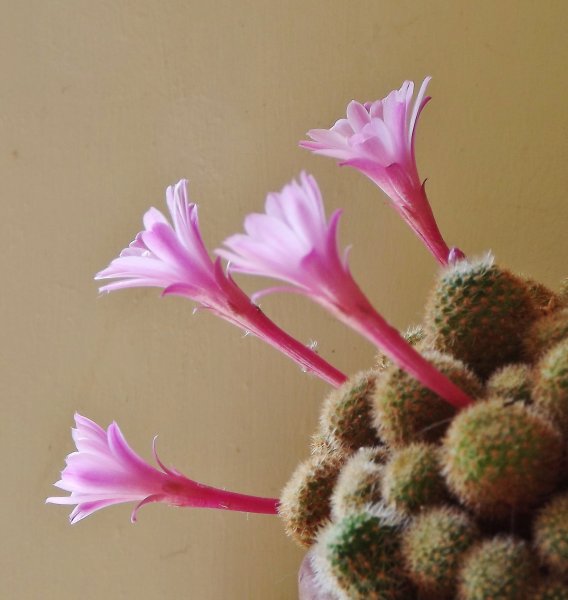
(102, 105)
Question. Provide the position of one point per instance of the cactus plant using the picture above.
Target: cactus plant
(479, 312)
(412, 479)
(405, 411)
(551, 534)
(501, 457)
(433, 548)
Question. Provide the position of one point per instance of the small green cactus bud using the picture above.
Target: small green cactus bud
(550, 589)
(361, 556)
(551, 534)
(500, 457)
(545, 333)
(413, 335)
(412, 479)
(550, 392)
(433, 547)
(498, 569)
(346, 414)
(359, 482)
(405, 411)
(513, 382)
(305, 500)
(479, 313)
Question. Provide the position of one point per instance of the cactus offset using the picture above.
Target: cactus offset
(305, 501)
(551, 534)
(499, 458)
(363, 557)
(480, 312)
(405, 411)
(412, 479)
(513, 382)
(498, 569)
(433, 547)
(346, 415)
(545, 333)
(359, 482)
(551, 388)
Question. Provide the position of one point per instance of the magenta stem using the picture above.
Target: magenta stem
(363, 318)
(261, 326)
(210, 497)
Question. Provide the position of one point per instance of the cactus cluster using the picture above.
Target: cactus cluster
(406, 497)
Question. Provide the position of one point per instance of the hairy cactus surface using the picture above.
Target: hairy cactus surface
(363, 555)
(545, 333)
(412, 479)
(406, 411)
(499, 569)
(512, 381)
(359, 482)
(480, 312)
(434, 546)
(551, 534)
(305, 501)
(501, 457)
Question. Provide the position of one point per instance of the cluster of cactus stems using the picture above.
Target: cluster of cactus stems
(432, 502)
(438, 473)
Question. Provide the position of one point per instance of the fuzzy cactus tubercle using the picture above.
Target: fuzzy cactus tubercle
(545, 333)
(501, 458)
(359, 482)
(360, 555)
(501, 568)
(479, 312)
(412, 479)
(551, 534)
(512, 381)
(345, 420)
(434, 546)
(305, 501)
(551, 387)
(405, 411)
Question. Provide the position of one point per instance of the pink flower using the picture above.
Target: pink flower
(294, 242)
(377, 138)
(106, 471)
(175, 259)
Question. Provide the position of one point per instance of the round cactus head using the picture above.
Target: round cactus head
(480, 312)
(361, 556)
(405, 411)
(551, 388)
(545, 333)
(500, 457)
(551, 534)
(433, 547)
(513, 382)
(501, 569)
(544, 299)
(346, 414)
(359, 482)
(412, 479)
(305, 501)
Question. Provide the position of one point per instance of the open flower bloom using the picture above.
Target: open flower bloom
(293, 242)
(377, 138)
(174, 258)
(106, 471)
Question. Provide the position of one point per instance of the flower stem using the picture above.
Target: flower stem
(211, 497)
(261, 326)
(363, 318)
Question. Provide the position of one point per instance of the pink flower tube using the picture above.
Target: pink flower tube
(377, 138)
(293, 241)
(106, 471)
(175, 259)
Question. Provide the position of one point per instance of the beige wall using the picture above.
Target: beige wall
(103, 104)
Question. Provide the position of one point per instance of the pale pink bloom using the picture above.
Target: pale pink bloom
(174, 258)
(106, 471)
(294, 242)
(377, 138)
